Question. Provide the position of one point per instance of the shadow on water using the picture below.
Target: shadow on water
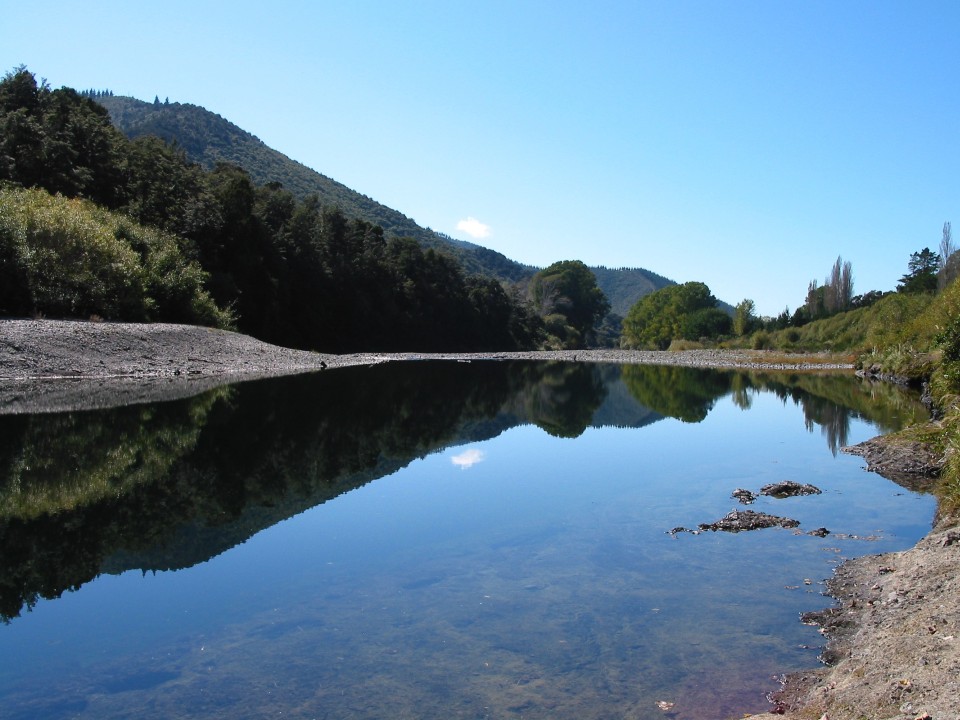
(170, 485)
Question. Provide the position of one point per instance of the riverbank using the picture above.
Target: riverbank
(894, 637)
(46, 365)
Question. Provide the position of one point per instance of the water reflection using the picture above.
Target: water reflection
(829, 401)
(170, 485)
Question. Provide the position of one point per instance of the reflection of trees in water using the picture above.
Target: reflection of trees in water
(54, 463)
(742, 391)
(74, 484)
(168, 485)
(678, 392)
(828, 400)
(564, 398)
(834, 421)
(888, 406)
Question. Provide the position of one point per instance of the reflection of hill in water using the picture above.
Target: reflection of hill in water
(194, 542)
(620, 408)
(171, 485)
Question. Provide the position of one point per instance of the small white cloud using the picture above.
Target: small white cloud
(467, 458)
(474, 228)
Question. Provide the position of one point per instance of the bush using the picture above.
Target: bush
(70, 264)
(64, 257)
(680, 345)
(761, 340)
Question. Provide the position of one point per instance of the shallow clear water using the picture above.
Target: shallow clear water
(435, 541)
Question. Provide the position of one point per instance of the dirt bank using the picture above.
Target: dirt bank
(894, 637)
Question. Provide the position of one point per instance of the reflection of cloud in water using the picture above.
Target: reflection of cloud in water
(467, 458)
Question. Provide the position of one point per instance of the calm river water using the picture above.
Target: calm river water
(434, 540)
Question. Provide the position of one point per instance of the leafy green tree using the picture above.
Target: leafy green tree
(922, 272)
(706, 323)
(569, 289)
(662, 316)
(743, 317)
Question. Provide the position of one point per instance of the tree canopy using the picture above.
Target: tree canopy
(922, 272)
(688, 311)
(567, 296)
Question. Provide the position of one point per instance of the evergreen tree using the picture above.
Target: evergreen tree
(922, 272)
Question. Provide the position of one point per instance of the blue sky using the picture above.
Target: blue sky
(742, 144)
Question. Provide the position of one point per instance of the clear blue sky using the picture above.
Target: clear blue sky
(743, 144)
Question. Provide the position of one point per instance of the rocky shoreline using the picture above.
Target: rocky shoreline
(893, 647)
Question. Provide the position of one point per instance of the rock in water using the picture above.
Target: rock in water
(788, 488)
(740, 520)
(744, 496)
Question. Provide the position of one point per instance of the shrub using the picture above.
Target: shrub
(65, 257)
(680, 345)
(761, 340)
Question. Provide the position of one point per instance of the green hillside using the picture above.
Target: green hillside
(207, 138)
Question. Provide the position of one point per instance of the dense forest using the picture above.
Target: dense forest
(95, 224)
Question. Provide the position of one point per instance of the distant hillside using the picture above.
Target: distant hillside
(624, 286)
(208, 138)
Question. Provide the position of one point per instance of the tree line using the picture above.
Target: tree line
(690, 313)
(285, 270)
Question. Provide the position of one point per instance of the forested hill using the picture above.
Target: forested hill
(624, 286)
(208, 138)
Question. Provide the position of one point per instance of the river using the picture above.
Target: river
(435, 540)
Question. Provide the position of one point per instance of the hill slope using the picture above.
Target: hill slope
(208, 138)
(624, 286)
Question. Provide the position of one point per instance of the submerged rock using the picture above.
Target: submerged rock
(740, 520)
(788, 488)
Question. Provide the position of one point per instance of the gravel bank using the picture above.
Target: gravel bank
(54, 365)
(58, 365)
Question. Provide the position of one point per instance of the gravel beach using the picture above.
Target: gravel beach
(894, 637)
